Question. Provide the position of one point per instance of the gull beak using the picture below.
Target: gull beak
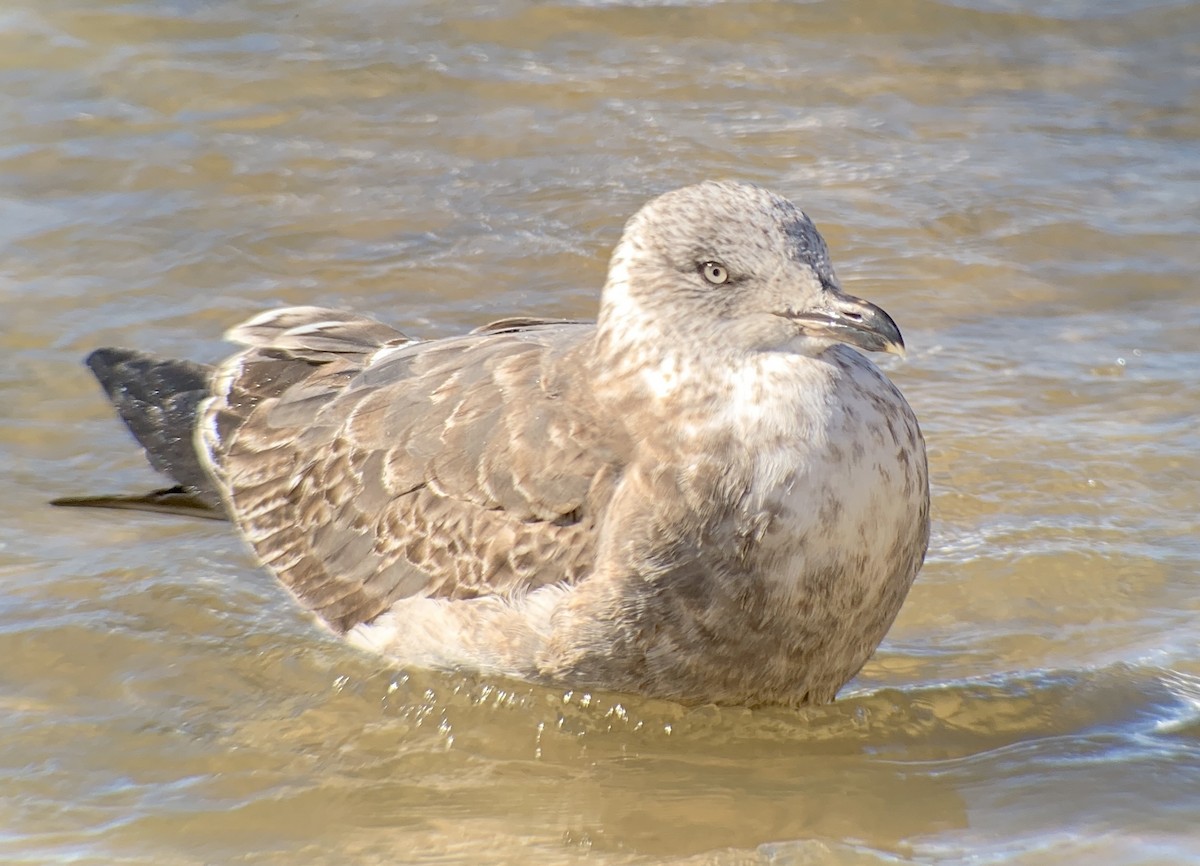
(852, 321)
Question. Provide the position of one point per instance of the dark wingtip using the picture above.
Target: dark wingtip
(104, 362)
(105, 357)
(173, 500)
(159, 400)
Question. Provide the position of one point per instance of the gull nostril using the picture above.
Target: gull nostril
(854, 317)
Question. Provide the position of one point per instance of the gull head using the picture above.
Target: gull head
(737, 267)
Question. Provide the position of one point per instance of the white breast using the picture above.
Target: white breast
(839, 468)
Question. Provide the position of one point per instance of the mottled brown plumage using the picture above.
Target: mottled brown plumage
(362, 477)
(706, 496)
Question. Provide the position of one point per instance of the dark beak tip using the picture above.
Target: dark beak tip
(855, 322)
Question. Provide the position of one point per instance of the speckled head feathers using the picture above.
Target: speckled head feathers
(741, 221)
(739, 266)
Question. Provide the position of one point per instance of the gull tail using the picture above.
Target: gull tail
(159, 401)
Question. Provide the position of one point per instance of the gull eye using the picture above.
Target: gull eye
(715, 273)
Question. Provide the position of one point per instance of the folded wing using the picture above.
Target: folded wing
(364, 467)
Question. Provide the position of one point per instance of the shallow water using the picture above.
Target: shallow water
(1016, 182)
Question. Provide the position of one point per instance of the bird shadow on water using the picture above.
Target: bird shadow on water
(397, 750)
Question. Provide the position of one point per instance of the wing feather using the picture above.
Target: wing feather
(364, 467)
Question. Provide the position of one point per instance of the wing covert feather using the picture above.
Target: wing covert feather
(364, 467)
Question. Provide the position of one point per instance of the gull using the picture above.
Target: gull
(708, 495)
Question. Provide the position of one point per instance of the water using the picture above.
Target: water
(1016, 182)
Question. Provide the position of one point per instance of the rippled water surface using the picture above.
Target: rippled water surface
(1016, 182)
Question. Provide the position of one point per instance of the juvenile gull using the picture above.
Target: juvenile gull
(708, 495)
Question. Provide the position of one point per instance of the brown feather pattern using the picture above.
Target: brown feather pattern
(708, 495)
(363, 467)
